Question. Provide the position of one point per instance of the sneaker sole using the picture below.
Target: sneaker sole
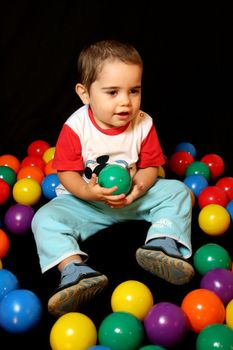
(173, 270)
(75, 296)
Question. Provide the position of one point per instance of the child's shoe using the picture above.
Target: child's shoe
(79, 284)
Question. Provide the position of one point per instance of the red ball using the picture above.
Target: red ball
(4, 191)
(212, 195)
(37, 148)
(226, 183)
(4, 244)
(33, 161)
(215, 163)
(179, 161)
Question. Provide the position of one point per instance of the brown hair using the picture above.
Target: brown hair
(92, 58)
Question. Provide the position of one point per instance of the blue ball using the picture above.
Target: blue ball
(20, 311)
(196, 183)
(229, 208)
(49, 184)
(186, 146)
(8, 282)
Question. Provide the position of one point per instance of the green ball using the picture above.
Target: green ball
(121, 330)
(152, 347)
(215, 336)
(8, 174)
(210, 256)
(198, 168)
(115, 175)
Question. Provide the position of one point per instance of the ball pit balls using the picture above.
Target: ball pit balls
(226, 183)
(133, 297)
(196, 183)
(49, 154)
(198, 168)
(73, 331)
(5, 191)
(179, 161)
(215, 163)
(49, 184)
(219, 281)
(210, 256)
(7, 174)
(216, 336)
(11, 161)
(166, 324)
(18, 218)
(152, 347)
(20, 311)
(121, 330)
(8, 282)
(229, 314)
(229, 208)
(99, 347)
(27, 191)
(202, 308)
(214, 219)
(33, 161)
(31, 172)
(115, 175)
(49, 168)
(186, 146)
(212, 195)
(37, 148)
(4, 244)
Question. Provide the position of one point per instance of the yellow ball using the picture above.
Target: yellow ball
(48, 154)
(133, 297)
(0, 264)
(214, 219)
(27, 191)
(161, 172)
(73, 331)
(229, 314)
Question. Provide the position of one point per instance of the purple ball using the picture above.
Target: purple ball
(166, 324)
(219, 281)
(18, 218)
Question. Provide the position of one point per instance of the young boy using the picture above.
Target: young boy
(110, 128)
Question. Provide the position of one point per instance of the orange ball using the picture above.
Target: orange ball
(49, 169)
(4, 244)
(202, 308)
(10, 161)
(31, 172)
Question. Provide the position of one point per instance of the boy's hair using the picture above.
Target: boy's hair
(92, 58)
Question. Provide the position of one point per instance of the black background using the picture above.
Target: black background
(187, 89)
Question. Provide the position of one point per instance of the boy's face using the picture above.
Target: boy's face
(115, 96)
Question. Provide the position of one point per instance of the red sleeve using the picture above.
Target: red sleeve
(68, 151)
(151, 153)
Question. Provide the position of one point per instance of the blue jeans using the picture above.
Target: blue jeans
(66, 220)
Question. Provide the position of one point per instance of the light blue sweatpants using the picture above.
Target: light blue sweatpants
(61, 224)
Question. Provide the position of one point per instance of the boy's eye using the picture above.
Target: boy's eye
(134, 91)
(111, 92)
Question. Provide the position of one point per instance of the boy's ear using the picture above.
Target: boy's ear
(83, 93)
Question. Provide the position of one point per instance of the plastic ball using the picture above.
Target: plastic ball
(33, 161)
(202, 308)
(188, 147)
(11, 161)
(27, 191)
(4, 244)
(49, 184)
(179, 161)
(161, 172)
(31, 172)
(229, 314)
(212, 195)
(216, 336)
(226, 183)
(215, 163)
(8, 282)
(133, 297)
(115, 175)
(73, 331)
(20, 311)
(219, 281)
(99, 347)
(1, 266)
(229, 208)
(49, 154)
(5, 191)
(198, 168)
(49, 168)
(152, 347)
(7, 174)
(37, 148)
(121, 330)
(210, 256)
(18, 218)
(196, 183)
(214, 219)
(166, 324)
